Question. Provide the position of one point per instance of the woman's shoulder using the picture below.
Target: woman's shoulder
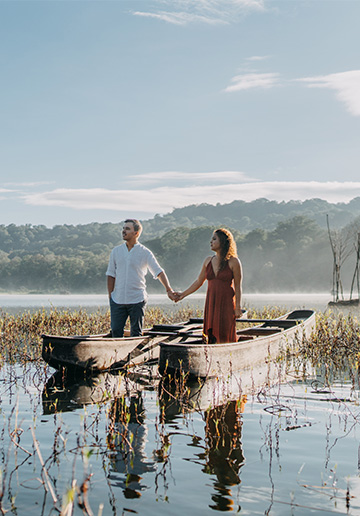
(234, 262)
(207, 261)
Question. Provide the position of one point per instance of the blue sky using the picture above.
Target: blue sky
(131, 108)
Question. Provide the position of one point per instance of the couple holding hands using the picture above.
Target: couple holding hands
(129, 263)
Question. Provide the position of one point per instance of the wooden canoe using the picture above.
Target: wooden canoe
(96, 353)
(255, 345)
(344, 303)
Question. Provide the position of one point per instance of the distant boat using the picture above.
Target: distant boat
(344, 302)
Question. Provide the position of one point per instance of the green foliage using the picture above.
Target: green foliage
(247, 216)
(278, 252)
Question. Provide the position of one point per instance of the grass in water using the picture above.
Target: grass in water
(21, 333)
(336, 337)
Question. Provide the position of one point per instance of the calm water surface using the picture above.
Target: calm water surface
(16, 302)
(291, 446)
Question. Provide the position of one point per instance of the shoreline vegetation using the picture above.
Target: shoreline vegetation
(336, 337)
(21, 333)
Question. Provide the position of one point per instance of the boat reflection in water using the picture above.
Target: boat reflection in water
(220, 453)
(221, 401)
(126, 422)
(66, 391)
(131, 466)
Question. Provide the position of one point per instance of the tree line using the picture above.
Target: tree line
(257, 214)
(294, 256)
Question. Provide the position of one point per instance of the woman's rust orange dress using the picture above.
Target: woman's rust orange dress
(219, 313)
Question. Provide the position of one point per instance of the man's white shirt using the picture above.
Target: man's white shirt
(129, 269)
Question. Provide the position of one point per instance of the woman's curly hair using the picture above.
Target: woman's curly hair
(227, 246)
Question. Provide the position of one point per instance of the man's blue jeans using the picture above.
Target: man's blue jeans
(119, 315)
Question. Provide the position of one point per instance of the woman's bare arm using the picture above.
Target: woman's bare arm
(235, 266)
(197, 283)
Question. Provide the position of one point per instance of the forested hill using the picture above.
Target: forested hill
(246, 216)
(294, 256)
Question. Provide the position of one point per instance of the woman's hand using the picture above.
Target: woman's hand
(238, 313)
(179, 296)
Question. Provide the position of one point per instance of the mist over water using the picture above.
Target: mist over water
(18, 302)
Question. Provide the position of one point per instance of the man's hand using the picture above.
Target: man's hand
(171, 295)
(178, 296)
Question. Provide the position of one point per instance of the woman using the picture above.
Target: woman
(223, 272)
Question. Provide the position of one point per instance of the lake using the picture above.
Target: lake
(16, 302)
(133, 445)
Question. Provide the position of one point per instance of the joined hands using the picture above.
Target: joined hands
(175, 296)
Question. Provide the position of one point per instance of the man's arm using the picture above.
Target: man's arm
(165, 282)
(110, 284)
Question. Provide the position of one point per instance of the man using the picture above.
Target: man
(128, 265)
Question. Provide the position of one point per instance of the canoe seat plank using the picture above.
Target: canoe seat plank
(244, 338)
(282, 324)
(260, 331)
(190, 327)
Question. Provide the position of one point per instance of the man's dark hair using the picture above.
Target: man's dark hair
(136, 223)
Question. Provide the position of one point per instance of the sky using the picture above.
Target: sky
(114, 109)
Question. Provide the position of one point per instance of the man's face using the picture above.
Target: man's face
(128, 231)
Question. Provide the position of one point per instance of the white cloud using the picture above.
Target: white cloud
(345, 84)
(257, 58)
(182, 12)
(164, 199)
(249, 81)
(3, 194)
(226, 176)
(29, 184)
(179, 18)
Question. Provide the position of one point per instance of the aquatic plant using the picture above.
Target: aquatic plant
(336, 339)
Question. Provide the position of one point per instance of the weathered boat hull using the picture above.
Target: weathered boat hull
(98, 353)
(210, 360)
